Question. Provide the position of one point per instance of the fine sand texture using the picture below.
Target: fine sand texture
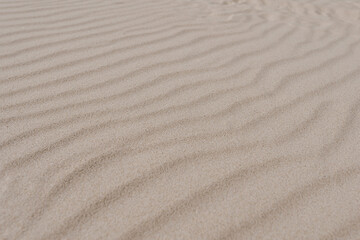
(179, 119)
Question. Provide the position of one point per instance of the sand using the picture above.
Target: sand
(179, 119)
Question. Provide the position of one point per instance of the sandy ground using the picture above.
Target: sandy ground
(179, 119)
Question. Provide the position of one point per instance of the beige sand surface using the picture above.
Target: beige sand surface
(179, 119)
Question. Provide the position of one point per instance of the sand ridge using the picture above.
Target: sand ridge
(184, 119)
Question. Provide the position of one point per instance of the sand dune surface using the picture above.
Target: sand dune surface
(179, 119)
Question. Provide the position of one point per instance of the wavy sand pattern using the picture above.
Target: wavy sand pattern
(179, 119)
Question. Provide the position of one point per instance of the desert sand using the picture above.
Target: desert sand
(179, 119)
